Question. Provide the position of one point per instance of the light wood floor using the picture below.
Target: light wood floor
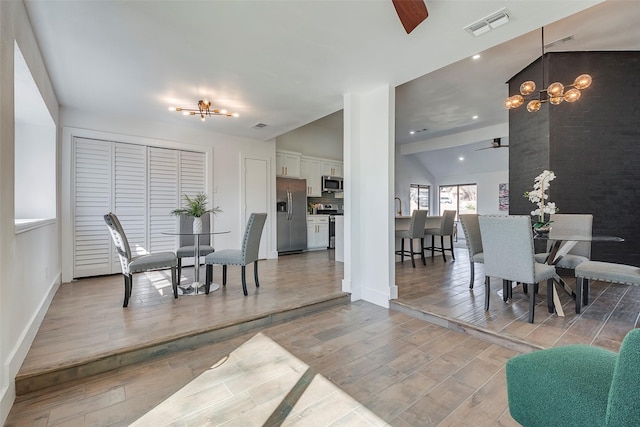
(396, 368)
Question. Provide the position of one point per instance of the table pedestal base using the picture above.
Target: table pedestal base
(196, 288)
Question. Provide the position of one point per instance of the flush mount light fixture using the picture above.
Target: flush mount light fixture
(476, 56)
(204, 109)
(554, 94)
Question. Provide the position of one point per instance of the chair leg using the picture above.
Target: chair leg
(424, 261)
(472, 273)
(579, 294)
(224, 275)
(525, 288)
(179, 268)
(127, 289)
(532, 305)
(255, 273)
(585, 291)
(453, 255)
(244, 280)
(174, 282)
(208, 269)
(487, 290)
(444, 256)
(433, 244)
(550, 304)
(505, 290)
(413, 261)
(402, 250)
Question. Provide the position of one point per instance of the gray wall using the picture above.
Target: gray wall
(592, 146)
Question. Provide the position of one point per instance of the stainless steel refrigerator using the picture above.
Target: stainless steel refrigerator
(291, 208)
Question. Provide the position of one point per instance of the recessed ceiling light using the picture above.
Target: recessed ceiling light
(461, 158)
(412, 132)
(474, 117)
(476, 57)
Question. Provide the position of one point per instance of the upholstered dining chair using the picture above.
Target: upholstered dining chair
(134, 264)
(445, 230)
(247, 255)
(472, 237)
(576, 385)
(564, 225)
(415, 231)
(186, 247)
(507, 244)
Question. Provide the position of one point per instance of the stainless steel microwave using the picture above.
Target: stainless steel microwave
(331, 184)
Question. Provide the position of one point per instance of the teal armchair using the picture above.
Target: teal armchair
(577, 385)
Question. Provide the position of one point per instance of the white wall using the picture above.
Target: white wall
(29, 261)
(313, 140)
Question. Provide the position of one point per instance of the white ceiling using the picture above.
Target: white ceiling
(288, 63)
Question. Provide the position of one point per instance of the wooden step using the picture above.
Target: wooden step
(28, 382)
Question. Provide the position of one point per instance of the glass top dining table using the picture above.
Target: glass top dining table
(195, 288)
(560, 247)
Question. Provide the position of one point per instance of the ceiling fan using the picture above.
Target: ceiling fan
(496, 143)
(411, 13)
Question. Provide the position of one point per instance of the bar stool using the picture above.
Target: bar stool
(415, 231)
(445, 229)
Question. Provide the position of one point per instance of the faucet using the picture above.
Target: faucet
(400, 202)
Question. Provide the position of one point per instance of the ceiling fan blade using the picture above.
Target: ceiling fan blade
(492, 146)
(411, 13)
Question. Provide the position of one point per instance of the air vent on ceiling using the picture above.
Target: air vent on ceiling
(258, 126)
(488, 23)
(559, 41)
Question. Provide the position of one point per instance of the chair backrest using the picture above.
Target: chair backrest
(185, 225)
(472, 236)
(623, 407)
(507, 243)
(119, 240)
(446, 226)
(569, 224)
(252, 235)
(416, 226)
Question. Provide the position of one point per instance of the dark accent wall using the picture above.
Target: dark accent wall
(592, 145)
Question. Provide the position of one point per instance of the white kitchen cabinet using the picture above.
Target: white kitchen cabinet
(287, 164)
(332, 168)
(317, 232)
(311, 170)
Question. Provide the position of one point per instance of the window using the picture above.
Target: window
(419, 197)
(462, 198)
(35, 152)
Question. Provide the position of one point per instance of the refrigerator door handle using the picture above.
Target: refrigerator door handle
(289, 203)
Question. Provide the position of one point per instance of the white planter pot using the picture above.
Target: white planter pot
(197, 225)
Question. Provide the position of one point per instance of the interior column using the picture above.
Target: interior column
(369, 157)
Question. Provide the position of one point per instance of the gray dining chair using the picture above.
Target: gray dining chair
(415, 231)
(186, 247)
(507, 243)
(564, 225)
(473, 239)
(445, 230)
(135, 264)
(246, 255)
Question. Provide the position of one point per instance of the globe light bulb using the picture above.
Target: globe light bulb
(527, 87)
(518, 100)
(533, 105)
(555, 100)
(572, 95)
(583, 81)
(555, 89)
(508, 104)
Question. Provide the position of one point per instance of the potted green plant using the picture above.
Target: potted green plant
(196, 207)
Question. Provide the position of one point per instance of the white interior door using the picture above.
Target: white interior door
(256, 191)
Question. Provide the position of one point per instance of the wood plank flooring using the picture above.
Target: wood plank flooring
(387, 366)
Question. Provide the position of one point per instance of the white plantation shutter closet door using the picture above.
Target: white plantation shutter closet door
(164, 196)
(92, 200)
(141, 185)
